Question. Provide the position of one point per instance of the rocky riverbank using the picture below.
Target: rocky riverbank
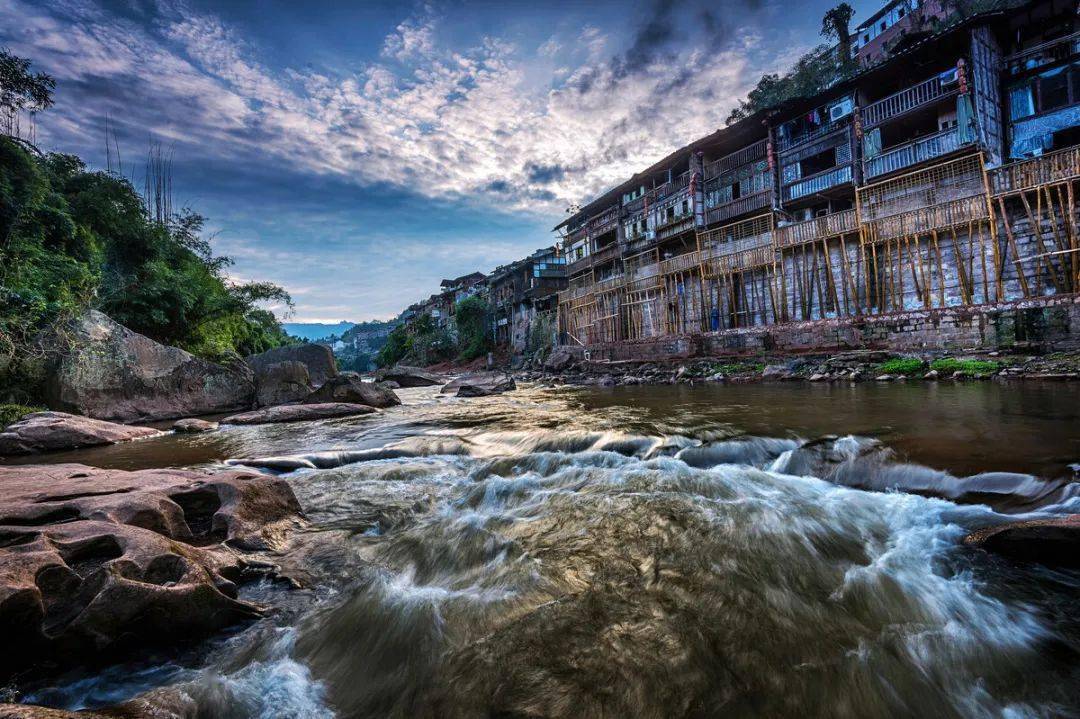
(563, 367)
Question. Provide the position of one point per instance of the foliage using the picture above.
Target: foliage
(421, 342)
(21, 89)
(11, 413)
(737, 368)
(397, 346)
(471, 316)
(966, 368)
(836, 26)
(72, 239)
(813, 73)
(902, 365)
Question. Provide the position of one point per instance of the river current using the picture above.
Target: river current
(643, 552)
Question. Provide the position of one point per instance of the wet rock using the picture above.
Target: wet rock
(388, 384)
(192, 425)
(96, 560)
(884, 378)
(51, 431)
(818, 377)
(317, 360)
(480, 384)
(932, 374)
(606, 381)
(281, 383)
(1052, 540)
(104, 370)
(408, 376)
(349, 387)
(559, 361)
(299, 413)
(775, 371)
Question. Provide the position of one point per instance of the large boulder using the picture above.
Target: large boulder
(51, 431)
(408, 376)
(281, 383)
(298, 413)
(559, 361)
(280, 380)
(104, 370)
(1048, 540)
(349, 387)
(101, 561)
(480, 384)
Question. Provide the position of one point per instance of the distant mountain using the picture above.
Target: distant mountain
(314, 331)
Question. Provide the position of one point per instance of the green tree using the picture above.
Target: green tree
(471, 316)
(836, 26)
(21, 89)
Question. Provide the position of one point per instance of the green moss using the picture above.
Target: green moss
(902, 365)
(966, 368)
(11, 413)
(737, 368)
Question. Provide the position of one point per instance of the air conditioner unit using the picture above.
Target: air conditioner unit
(650, 234)
(841, 109)
(949, 77)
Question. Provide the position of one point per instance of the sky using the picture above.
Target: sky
(357, 153)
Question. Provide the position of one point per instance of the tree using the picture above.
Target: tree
(471, 318)
(21, 89)
(836, 26)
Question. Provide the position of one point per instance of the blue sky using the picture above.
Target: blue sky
(357, 153)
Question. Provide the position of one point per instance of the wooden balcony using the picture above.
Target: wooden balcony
(675, 227)
(603, 222)
(913, 153)
(829, 128)
(611, 284)
(924, 220)
(573, 268)
(605, 254)
(738, 261)
(748, 154)
(819, 228)
(1043, 54)
(738, 207)
(908, 99)
(681, 263)
(818, 182)
(1059, 166)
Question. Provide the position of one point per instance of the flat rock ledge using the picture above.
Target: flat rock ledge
(406, 376)
(480, 384)
(349, 388)
(1051, 540)
(51, 431)
(99, 563)
(299, 413)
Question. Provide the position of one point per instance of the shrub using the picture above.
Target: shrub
(471, 317)
(966, 368)
(11, 413)
(902, 365)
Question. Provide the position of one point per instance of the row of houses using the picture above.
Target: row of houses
(942, 173)
(522, 299)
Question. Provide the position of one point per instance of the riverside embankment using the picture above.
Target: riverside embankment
(637, 551)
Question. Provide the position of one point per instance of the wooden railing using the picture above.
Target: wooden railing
(818, 182)
(675, 226)
(819, 228)
(955, 213)
(735, 160)
(1054, 167)
(599, 224)
(906, 100)
(1043, 54)
(576, 266)
(605, 253)
(738, 207)
(680, 263)
(818, 132)
(610, 284)
(743, 260)
(912, 153)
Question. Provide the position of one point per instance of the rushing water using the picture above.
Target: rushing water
(641, 551)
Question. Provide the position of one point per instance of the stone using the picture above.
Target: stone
(1049, 540)
(479, 384)
(718, 377)
(884, 378)
(299, 413)
(606, 381)
(99, 561)
(388, 384)
(559, 361)
(932, 374)
(282, 383)
(818, 377)
(193, 425)
(101, 369)
(775, 371)
(349, 387)
(51, 431)
(408, 376)
(317, 359)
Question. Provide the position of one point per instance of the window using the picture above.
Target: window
(1054, 89)
(866, 38)
(883, 26)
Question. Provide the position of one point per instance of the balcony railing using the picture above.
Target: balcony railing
(906, 100)
(675, 226)
(737, 261)
(605, 254)
(1043, 54)
(680, 263)
(735, 160)
(1054, 167)
(738, 207)
(819, 228)
(955, 213)
(572, 268)
(787, 143)
(818, 182)
(604, 222)
(912, 153)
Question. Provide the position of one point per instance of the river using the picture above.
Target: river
(546, 553)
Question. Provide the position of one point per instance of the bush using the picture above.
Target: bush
(12, 413)
(471, 316)
(902, 365)
(966, 368)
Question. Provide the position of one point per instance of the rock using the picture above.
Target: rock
(51, 431)
(298, 413)
(559, 361)
(281, 383)
(95, 561)
(1051, 540)
(408, 376)
(718, 377)
(194, 425)
(349, 387)
(818, 377)
(388, 384)
(884, 378)
(104, 370)
(606, 381)
(932, 374)
(479, 384)
(775, 371)
(317, 359)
